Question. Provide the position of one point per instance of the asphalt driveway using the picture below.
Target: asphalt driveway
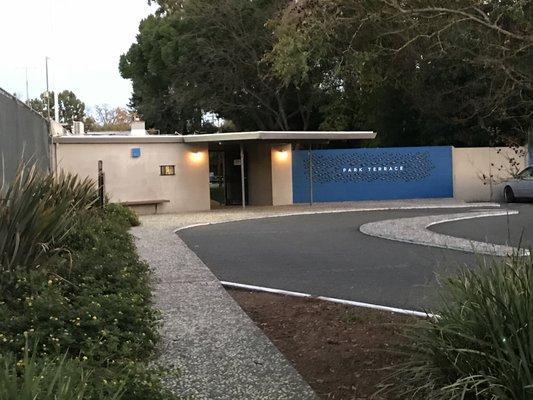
(326, 255)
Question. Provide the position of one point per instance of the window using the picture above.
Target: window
(168, 170)
(526, 174)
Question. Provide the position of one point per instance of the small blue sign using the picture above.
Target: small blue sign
(136, 152)
(373, 174)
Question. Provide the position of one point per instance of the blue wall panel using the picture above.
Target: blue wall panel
(373, 174)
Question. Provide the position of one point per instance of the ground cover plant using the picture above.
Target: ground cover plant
(481, 347)
(73, 291)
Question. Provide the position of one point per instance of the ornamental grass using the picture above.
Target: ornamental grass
(481, 345)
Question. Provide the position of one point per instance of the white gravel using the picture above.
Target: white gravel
(415, 230)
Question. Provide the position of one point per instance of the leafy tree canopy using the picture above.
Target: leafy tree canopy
(419, 72)
(207, 56)
(422, 72)
(70, 107)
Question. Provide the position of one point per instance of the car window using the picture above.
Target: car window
(527, 173)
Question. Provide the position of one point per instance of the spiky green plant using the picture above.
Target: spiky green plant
(36, 212)
(81, 193)
(481, 346)
(52, 378)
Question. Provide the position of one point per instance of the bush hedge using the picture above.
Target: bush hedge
(82, 292)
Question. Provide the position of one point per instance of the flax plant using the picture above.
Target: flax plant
(36, 212)
(481, 346)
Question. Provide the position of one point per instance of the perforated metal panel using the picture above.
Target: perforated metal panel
(364, 174)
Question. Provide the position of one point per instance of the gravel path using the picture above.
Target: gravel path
(220, 351)
(415, 230)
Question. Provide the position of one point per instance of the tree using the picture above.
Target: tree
(112, 118)
(487, 50)
(447, 72)
(70, 107)
(207, 56)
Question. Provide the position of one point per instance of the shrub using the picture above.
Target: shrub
(36, 212)
(91, 301)
(51, 378)
(122, 212)
(96, 307)
(481, 347)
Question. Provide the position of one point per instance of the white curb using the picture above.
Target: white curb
(329, 299)
(347, 210)
(415, 230)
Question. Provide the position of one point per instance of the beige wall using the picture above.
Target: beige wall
(131, 179)
(259, 174)
(269, 174)
(479, 172)
(281, 156)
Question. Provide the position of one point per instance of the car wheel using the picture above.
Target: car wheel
(508, 194)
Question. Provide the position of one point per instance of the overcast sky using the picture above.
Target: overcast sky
(84, 40)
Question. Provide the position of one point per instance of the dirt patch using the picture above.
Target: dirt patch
(339, 350)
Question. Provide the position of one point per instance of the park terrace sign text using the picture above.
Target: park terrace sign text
(357, 170)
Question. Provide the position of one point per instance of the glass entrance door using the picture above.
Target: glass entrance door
(225, 177)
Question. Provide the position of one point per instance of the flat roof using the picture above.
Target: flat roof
(278, 136)
(118, 139)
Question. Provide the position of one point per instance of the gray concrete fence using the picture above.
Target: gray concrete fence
(23, 136)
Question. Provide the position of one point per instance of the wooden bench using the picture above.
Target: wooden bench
(145, 203)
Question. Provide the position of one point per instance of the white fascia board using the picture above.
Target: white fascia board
(280, 135)
(118, 139)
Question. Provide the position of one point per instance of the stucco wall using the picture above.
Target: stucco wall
(269, 174)
(259, 174)
(281, 156)
(131, 179)
(479, 172)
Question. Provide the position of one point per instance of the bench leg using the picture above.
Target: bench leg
(156, 208)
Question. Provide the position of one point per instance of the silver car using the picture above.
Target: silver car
(520, 187)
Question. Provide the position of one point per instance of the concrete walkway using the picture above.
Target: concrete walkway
(220, 351)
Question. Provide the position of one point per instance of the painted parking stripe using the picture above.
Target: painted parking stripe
(395, 310)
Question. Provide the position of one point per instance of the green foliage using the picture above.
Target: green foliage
(420, 72)
(36, 212)
(423, 72)
(123, 213)
(51, 378)
(209, 56)
(70, 107)
(480, 347)
(89, 300)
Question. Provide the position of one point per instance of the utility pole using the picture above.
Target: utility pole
(47, 91)
(27, 90)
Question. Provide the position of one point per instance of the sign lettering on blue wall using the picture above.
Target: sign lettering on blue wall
(373, 174)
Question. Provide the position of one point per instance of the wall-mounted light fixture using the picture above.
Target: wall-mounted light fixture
(282, 154)
(197, 156)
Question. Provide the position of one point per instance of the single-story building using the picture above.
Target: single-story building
(174, 170)
(174, 173)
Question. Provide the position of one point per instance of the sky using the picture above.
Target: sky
(83, 39)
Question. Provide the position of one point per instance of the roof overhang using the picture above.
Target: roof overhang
(279, 136)
(231, 137)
